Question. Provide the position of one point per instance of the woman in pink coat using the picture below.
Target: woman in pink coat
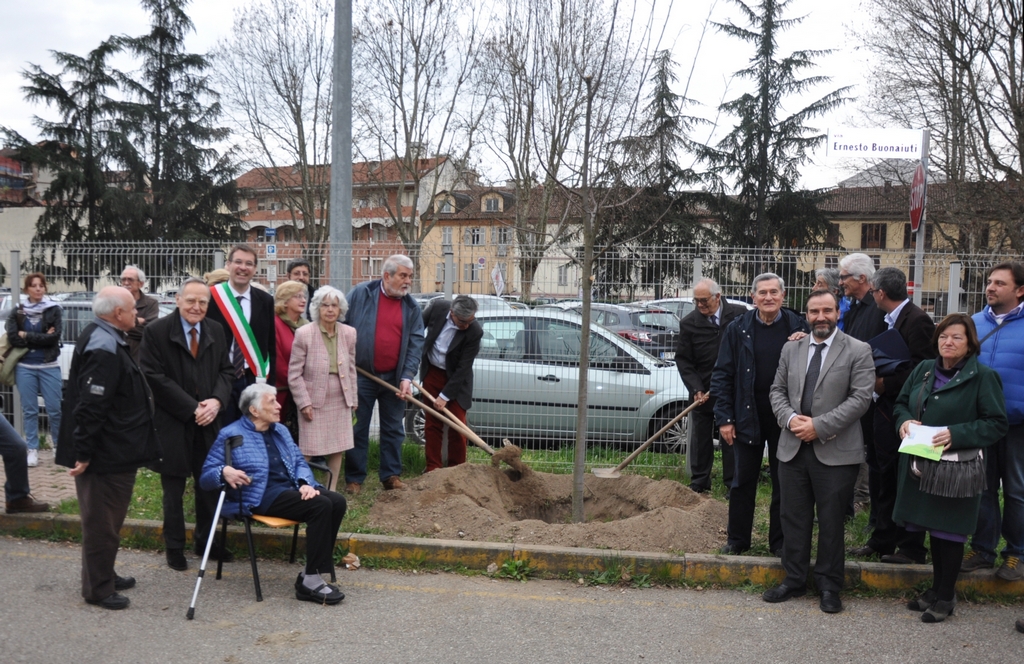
(289, 305)
(322, 378)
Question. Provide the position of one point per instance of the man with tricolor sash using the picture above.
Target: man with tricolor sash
(247, 314)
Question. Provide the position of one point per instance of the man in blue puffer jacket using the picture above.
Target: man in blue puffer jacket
(269, 476)
(1001, 329)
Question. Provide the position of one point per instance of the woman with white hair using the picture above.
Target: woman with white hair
(322, 378)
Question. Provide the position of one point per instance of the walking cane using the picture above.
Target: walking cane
(229, 444)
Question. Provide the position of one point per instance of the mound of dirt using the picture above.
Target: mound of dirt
(483, 503)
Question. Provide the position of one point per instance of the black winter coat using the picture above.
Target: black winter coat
(697, 347)
(179, 382)
(108, 408)
(50, 343)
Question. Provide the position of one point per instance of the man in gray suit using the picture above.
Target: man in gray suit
(821, 389)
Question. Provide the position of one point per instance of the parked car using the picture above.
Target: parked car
(681, 306)
(490, 303)
(654, 329)
(423, 299)
(526, 382)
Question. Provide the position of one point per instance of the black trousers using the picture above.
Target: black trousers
(888, 536)
(322, 516)
(173, 504)
(806, 485)
(749, 461)
(103, 503)
(702, 451)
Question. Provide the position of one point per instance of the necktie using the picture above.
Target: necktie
(237, 360)
(713, 319)
(811, 379)
(193, 344)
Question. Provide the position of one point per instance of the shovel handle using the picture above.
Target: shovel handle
(458, 425)
(450, 418)
(638, 451)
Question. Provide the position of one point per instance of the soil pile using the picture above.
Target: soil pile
(483, 503)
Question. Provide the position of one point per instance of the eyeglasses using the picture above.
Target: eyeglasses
(704, 300)
(241, 263)
(844, 277)
(191, 302)
(128, 280)
(463, 322)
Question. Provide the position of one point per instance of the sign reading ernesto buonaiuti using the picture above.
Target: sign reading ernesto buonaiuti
(874, 143)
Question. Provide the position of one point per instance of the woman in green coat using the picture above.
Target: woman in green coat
(965, 398)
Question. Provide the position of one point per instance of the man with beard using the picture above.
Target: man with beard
(389, 344)
(822, 388)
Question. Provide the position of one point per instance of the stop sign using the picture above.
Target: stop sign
(917, 198)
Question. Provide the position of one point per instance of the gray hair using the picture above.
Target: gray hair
(107, 300)
(463, 306)
(392, 263)
(767, 276)
(322, 295)
(139, 274)
(192, 280)
(830, 275)
(253, 395)
(712, 285)
(892, 281)
(859, 265)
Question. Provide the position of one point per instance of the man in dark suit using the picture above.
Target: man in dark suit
(892, 542)
(453, 341)
(258, 310)
(185, 361)
(822, 388)
(700, 335)
(863, 321)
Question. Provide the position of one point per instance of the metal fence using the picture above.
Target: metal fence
(526, 377)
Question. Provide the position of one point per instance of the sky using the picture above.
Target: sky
(30, 30)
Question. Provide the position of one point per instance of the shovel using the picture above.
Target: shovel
(616, 472)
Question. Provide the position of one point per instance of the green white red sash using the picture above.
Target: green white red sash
(240, 330)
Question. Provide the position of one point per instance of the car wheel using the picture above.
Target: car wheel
(675, 439)
(415, 421)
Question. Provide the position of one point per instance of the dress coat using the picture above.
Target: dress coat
(462, 351)
(841, 396)
(261, 321)
(697, 348)
(179, 382)
(971, 405)
(331, 429)
(917, 328)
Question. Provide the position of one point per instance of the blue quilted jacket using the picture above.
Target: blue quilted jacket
(1004, 352)
(251, 457)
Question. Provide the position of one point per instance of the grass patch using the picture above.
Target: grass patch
(517, 569)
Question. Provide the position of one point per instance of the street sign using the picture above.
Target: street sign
(271, 250)
(917, 197)
(272, 273)
(844, 143)
(482, 261)
(270, 232)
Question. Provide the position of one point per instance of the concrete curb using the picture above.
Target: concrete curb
(693, 568)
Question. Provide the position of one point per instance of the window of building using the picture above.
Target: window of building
(445, 206)
(910, 240)
(832, 262)
(261, 203)
(492, 204)
(501, 235)
(260, 234)
(471, 272)
(372, 267)
(446, 235)
(563, 275)
(834, 237)
(473, 236)
(872, 236)
(286, 233)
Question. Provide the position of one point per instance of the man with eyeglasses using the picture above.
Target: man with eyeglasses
(453, 342)
(247, 316)
(700, 335)
(185, 361)
(146, 306)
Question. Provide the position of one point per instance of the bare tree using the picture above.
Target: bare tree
(955, 66)
(276, 72)
(413, 64)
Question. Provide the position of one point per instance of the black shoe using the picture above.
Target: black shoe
(777, 552)
(900, 558)
(176, 559)
(697, 488)
(782, 592)
(324, 594)
(220, 553)
(728, 493)
(1020, 625)
(939, 611)
(113, 601)
(123, 582)
(924, 602)
(731, 550)
(861, 552)
(830, 602)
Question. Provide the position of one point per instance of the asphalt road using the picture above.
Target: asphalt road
(405, 617)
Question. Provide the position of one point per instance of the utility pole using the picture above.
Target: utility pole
(341, 150)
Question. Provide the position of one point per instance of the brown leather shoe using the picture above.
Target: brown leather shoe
(353, 488)
(26, 504)
(394, 482)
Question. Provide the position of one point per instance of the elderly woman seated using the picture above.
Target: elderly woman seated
(268, 476)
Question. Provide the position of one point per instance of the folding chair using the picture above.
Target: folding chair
(272, 522)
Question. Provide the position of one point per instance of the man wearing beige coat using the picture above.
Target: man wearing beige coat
(821, 389)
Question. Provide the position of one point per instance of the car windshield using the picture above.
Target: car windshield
(655, 320)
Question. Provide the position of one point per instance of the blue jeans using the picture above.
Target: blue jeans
(15, 455)
(1004, 462)
(392, 430)
(31, 383)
